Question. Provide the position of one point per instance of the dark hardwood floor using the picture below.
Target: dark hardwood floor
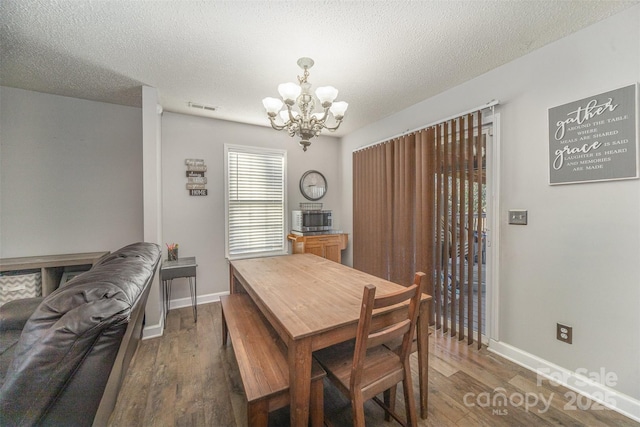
(186, 378)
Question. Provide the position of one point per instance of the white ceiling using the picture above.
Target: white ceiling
(383, 56)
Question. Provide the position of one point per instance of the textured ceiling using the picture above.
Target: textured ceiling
(383, 56)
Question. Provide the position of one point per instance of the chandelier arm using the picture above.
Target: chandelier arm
(335, 127)
(324, 116)
(274, 125)
(292, 119)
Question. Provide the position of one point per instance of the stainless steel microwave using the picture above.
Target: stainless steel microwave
(304, 221)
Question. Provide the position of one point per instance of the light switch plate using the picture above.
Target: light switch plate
(518, 217)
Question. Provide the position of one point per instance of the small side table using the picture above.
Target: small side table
(182, 267)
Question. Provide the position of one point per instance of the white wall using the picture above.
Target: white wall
(197, 223)
(152, 192)
(71, 174)
(578, 260)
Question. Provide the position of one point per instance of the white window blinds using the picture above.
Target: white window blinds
(255, 201)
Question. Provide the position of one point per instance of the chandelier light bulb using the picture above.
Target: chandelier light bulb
(326, 95)
(289, 92)
(272, 105)
(338, 109)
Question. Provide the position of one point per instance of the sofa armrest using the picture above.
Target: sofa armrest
(14, 314)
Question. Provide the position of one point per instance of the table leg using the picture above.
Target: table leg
(423, 356)
(166, 294)
(232, 287)
(169, 283)
(299, 354)
(193, 288)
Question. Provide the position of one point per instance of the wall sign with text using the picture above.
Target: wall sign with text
(595, 138)
(196, 181)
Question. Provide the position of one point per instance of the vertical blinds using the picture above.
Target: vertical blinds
(255, 201)
(460, 201)
(393, 208)
(418, 206)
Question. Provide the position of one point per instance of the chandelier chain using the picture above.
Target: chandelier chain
(303, 79)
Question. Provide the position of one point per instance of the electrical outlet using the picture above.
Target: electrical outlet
(564, 333)
(518, 217)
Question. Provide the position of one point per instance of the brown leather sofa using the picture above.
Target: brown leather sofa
(65, 355)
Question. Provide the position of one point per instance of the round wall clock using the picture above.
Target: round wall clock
(313, 185)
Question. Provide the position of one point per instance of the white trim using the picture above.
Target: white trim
(489, 104)
(152, 189)
(493, 242)
(202, 299)
(625, 405)
(153, 331)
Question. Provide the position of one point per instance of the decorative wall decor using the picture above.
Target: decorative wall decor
(595, 138)
(196, 181)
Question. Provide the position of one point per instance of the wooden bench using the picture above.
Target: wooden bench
(262, 360)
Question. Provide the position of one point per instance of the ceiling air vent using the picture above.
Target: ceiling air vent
(202, 107)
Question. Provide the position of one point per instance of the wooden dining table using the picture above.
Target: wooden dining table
(313, 303)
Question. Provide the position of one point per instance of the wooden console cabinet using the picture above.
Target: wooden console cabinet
(329, 246)
(51, 266)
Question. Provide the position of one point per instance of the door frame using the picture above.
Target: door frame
(492, 281)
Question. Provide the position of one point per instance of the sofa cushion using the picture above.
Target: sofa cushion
(14, 314)
(72, 324)
(53, 344)
(8, 341)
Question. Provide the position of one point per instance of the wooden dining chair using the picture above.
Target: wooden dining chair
(396, 344)
(364, 367)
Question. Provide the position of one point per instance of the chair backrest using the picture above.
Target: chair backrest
(403, 327)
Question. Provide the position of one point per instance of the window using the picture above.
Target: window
(255, 202)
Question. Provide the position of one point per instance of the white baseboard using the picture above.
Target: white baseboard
(153, 331)
(625, 405)
(202, 299)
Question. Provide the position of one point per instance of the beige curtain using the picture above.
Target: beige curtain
(417, 207)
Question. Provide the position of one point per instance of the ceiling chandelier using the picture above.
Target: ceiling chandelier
(303, 121)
